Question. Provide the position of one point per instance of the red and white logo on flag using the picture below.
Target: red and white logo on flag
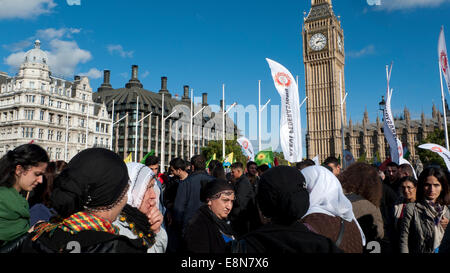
(444, 61)
(436, 149)
(245, 144)
(283, 79)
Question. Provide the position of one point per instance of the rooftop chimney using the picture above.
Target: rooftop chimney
(185, 97)
(164, 87)
(134, 81)
(77, 78)
(106, 85)
(204, 99)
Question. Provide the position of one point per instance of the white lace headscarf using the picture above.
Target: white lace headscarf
(140, 176)
(326, 195)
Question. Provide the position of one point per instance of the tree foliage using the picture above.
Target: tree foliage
(428, 157)
(215, 147)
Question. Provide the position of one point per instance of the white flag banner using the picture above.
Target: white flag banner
(290, 124)
(316, 160)
(247, 147)
(443, 152)
(443, 58)
(389, 127)
(348, 158)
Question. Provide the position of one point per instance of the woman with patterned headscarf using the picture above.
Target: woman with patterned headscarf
(141, 217)
(88, 195)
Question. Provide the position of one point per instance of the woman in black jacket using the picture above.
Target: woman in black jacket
(88, 196)
(209, 231)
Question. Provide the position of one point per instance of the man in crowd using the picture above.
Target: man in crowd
(244, 216)
(334, 164)
(153, 163)
(187, 199)
(252, 174)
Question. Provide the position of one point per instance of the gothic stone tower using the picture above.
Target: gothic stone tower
(324, 59)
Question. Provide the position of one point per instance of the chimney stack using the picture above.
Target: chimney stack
(185, 97)
(106, 85)
(204, 99)
(164, 87)
(134, 81)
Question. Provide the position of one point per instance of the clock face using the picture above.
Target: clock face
(318, 42)
(340, 44)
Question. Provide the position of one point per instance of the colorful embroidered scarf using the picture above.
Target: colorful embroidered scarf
(77, 222)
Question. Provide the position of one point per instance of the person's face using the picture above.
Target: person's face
(336, 168)
(391, 173)
(149, 200)
(252, 170)
(28, 179)
(154, 168)
(175, 172)
(402, 173)
(222, 206)
(409, 191)
(432, 188)
(236, 173)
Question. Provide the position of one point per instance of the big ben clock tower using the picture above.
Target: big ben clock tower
(324, 59)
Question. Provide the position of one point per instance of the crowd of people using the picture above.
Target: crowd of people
(97, 203)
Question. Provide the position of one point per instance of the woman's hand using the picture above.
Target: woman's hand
(444, 222)
(155, 218)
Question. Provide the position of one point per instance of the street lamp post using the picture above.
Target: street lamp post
(136, 129)
(342, 117)
(223, 119)
(192, 125)
(163, 135)
(382, 106)
(260, 109)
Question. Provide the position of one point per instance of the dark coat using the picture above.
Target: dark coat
(83, 242)
(282, 239)
(202, 235)
(187, 200)
(244, 215)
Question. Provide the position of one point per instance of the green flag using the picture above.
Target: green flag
(147, 155)
(209, 160)
(264, 157)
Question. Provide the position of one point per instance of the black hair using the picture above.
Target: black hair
(212, 164)
(151, 160)
(198, 161)
(392, 164)
(411, 179)
(251, 163)
(305, 163)
(262, 168)
(441, 177)
(237, 165)
(26, 155)
(178, 163)
(331, 160)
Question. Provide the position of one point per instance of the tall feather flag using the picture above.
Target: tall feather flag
(390, 133)
(443, 58)
(129, 158)
(247, 147)
(290, 124)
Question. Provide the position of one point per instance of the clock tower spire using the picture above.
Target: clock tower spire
(324, 60)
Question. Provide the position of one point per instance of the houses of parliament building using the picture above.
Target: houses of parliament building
(324, 60)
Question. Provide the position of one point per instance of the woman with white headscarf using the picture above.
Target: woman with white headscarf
(141, 217)
(330, 213)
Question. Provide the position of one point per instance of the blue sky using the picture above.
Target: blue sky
(204, 43)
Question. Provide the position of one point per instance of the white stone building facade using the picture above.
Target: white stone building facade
(55, 113)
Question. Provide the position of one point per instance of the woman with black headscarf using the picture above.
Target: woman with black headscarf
(209, 230)
(283, 198)
(88, 195)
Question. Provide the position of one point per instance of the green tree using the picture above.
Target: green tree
(428, 157)
(215, 147)
(280, 158)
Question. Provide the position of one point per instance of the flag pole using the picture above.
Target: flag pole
(443, 107)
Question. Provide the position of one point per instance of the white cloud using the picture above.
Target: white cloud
(368, 50)
(145, 74)
(93, 73)
(25, 9)
(391, 5)
(52, 33)
(119, 49)
(63, 57)
(74, 2)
